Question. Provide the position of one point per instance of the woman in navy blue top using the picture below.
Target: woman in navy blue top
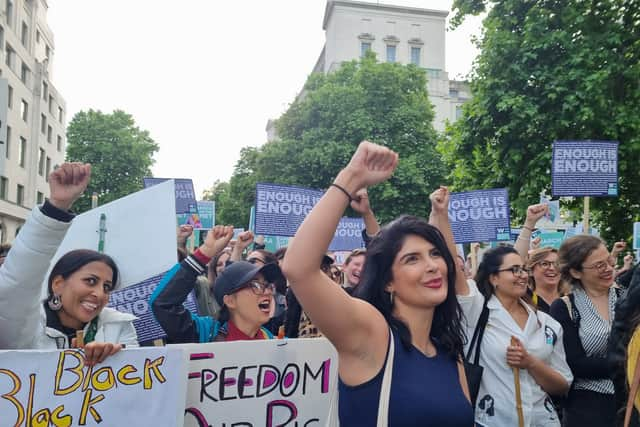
(406, 294)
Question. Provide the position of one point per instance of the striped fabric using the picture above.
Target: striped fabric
(594, 335)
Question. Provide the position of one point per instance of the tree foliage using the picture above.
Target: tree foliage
(382, 102)
(120, 154)
(550, 70)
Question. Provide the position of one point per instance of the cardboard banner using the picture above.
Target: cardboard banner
(585, 168)
(135, 300)
(348, 235)
(262, 383)
(480, 216)
(136, 387)
(280, 209)
(185, 194)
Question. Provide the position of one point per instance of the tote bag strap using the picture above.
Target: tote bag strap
(385, 389)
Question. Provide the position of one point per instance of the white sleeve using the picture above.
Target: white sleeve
(471, 306)
(129, 337)
(21, 279)
(558, 359)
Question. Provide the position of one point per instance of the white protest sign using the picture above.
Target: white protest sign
(136, 387)
(262, 383)
(138, 231)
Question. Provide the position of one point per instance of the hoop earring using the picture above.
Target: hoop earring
(55, 302)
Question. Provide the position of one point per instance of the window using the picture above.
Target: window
(25, 74)
(39, 198)
(59, 143)
(9, 12)
(364, 48)
(4, 184)
(20, 194)
(45, 90)
(22, 152)
(391, 53)
(10, 56)
(24, 34)
(415, 55)
(60, 114)
(458, 112)
(41, 157)
(8, 141)
(48, 170)
(10, 96)
(49, 134)
(24, 110)
(43, 123)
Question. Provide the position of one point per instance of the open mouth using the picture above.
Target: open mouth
(89, 306)
(433, 284)
(265, 306)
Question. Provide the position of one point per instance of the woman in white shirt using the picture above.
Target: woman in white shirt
(539, 351)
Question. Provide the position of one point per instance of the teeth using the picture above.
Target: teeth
(89, 306)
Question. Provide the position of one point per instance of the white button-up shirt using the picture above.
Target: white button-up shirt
(541, 337)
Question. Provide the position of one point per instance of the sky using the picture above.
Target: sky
(202, 76)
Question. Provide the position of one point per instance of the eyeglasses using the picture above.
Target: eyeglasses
(548, 264)
(517, 270)
(601, 266)
(259, 288)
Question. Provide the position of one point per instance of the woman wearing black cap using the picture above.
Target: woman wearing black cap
(243, 290)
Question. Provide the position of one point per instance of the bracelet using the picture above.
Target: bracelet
(527, 228)
(346, 193)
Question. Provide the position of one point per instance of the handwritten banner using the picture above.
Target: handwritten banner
(136, 387)
(348, 235)
(280, 209)
(262, 383)
(585, 168)
(480, 216)
(185, 194)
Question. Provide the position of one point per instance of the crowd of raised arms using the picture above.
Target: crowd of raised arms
(424, 336)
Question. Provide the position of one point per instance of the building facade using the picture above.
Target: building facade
(32, 112)
(400, 34)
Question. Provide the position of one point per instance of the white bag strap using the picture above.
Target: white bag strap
(385, 389)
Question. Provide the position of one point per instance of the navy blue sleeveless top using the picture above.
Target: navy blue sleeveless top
(425, 391)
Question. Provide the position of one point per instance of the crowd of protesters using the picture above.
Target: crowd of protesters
(521, 336)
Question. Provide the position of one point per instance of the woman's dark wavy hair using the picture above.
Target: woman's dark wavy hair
(73, 261)
(446, 327)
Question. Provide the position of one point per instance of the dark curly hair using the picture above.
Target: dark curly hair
(446, 328)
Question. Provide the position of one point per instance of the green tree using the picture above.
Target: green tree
(386, 103)
(550, 70)
(120, 154)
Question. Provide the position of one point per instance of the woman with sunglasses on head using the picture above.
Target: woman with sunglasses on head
(79, 283)
(515, 336)
(243, 290)
(399, 341)
(586, 315)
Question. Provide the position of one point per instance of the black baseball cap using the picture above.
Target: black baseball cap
(239, 273)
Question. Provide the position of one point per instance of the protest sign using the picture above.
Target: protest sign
(135, 300)
(480, 216)
(262, 383)
(237, 232)
(551, 239)
(207, 214)
(553, 213)
(185, 194)
(135, 387)
(280, 209)
(584, 168)
(348, 235)
(636, 236)
(273, 243)
(126, 226)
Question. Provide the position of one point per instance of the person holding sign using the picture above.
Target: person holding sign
(400, 341)
(515, 336)
(586, 315)
(78, 286)
(243, 290)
